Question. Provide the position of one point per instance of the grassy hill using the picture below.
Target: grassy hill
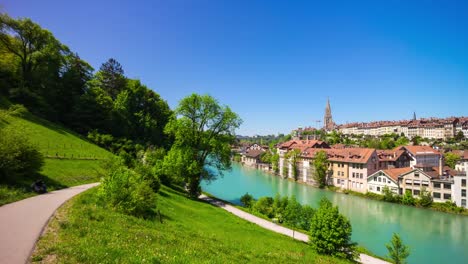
(83, 231)
(70, 159)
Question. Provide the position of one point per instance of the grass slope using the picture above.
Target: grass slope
(191, 232)
(80, 166)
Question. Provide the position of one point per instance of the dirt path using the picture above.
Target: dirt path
(22, 222)
(363, 258)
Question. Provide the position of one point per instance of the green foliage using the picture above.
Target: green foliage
(425, 198)
(321, 168)
(128, 192)
(408, 198)
(291, 158)
(397, 251)
(18, 157)
(388, 195)
(451, 159)
(264, 206)
(247, 200)
(192, 232)
(203, 133)
(459, 136)
(293, 212)
(275, 162)
(330, 232)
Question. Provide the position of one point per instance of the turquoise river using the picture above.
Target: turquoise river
(434, 237)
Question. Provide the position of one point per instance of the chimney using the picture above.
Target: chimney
(441, 166)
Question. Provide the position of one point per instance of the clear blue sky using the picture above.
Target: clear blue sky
(276, 62)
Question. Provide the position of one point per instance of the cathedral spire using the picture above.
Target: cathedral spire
(414, 116)
(328, 120)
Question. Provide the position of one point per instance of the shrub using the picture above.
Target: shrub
(150, 176)
(408, 198)
(127, 192)
(425, 198)
(247, 200)
(264, 206)
(18, 110)
(397, 251)
(388, 195)
(18, 157)
(330, 232)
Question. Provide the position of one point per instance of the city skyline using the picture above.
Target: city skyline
(275, 64)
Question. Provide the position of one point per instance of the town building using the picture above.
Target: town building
(460, 187)
(422, 155)
(385, 178)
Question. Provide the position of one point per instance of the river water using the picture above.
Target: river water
(433, 237)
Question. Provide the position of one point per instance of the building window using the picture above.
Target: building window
(463, 183)
(415, 192)
(353, 174)
(360, 175)
(378, 189)
(447, 186)
(436, 185)
(463, 202)
(436, 195)
(361, 185)
(416, 174)
(447, 196)
(463, 193)
(380, 179)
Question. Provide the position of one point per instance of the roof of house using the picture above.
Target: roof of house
(389, 155)
(352, 155)
(254, 153)
(396, 172)
(462, 153)
(417, 150)
(303, 144)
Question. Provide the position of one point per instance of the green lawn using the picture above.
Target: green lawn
(192, 232)
(82, 163)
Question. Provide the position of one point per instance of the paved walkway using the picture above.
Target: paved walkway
(22, 222)
(363, 258)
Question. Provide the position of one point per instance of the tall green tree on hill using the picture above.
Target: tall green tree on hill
(397, 251)
(203, 131)
(111, 78)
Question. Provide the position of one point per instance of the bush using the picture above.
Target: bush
(264, 206)
(408, 198)
(330, 232)
(388, 195)
(425, 198)
(18, 157)
(150, 176)
(247, 200)
(128, 192)
(18, 110)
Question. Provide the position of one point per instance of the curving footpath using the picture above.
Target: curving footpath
(22, 222)
(363, 258)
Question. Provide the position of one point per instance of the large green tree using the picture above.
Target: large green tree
(321, 168)
(203, 131)
(330, 232)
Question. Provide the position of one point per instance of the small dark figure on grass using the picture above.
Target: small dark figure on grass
(39, 187)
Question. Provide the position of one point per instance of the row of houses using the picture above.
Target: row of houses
(432, 128)
(406, 168)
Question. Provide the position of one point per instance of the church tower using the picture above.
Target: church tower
(328, 124)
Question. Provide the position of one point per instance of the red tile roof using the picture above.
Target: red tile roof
(396, 172)
(352, 155)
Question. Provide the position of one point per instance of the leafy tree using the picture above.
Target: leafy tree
(18, 157)
(203, 133)
(459, 136)
(264, 206)
(111, 78)
(408, 198)
(321, 168)
(275, 162)
(247, 200)
(330, 232)
(293, 212)
(305, 218)
(279, 206)
(397, 251)
(425, 197)
(451, 159)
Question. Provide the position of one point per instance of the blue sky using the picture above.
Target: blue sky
(276, 62)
